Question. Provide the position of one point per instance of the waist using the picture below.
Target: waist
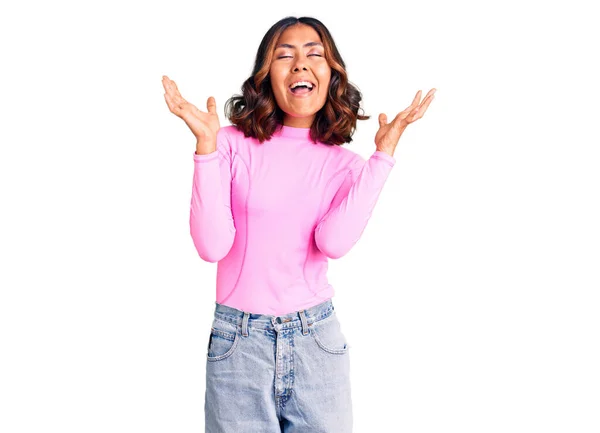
(269, 321)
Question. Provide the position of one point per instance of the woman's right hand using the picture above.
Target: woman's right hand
(204, 125)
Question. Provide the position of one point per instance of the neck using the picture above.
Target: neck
(292, 132)
(298, 122)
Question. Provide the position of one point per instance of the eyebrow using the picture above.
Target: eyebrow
(309, 44)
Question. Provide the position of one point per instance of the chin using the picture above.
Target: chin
(299, 114)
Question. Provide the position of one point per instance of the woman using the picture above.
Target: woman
(274, 196)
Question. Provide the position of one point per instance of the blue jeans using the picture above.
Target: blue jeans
(273, 374)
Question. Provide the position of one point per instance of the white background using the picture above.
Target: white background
(471, 301)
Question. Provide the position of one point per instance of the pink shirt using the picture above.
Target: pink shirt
(272, 214)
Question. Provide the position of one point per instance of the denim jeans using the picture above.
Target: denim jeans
(273, 374)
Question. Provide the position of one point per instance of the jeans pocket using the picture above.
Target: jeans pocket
(222, 341)
(329, 336)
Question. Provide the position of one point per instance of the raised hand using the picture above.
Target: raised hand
(204, 125)
(389, 134)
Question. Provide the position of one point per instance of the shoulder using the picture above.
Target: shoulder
(348, 159)
(229, 132)
(229, 136)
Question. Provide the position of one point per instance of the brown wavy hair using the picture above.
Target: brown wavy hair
(256, 113)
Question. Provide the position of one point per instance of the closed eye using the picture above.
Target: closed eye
(289, 57)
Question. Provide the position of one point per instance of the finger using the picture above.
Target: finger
(424, 105)
(405, 113)
(399, 121)
(165, 83)
(179, 107)
(431, 92)
(382, 120)
(174, 106)
(174, 94)
(168, 86)
(428, 98)
(173, 90)
(170, 103)
(416, 115)
(410, 116)
(414, 104)
(211, 105)
(416, 100)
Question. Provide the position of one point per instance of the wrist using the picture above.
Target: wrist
(204, 149)
(386, 150)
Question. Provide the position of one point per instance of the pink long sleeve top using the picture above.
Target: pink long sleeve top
(272, 214)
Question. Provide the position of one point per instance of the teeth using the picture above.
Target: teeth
(301, 83)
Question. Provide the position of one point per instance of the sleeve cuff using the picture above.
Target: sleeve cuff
(206, 157)
(385, 156)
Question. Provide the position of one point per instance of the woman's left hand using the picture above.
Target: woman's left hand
(389, 134)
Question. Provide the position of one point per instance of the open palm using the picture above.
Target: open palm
(203, 124)
(388, 135)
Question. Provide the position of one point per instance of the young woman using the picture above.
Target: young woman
(274, 196)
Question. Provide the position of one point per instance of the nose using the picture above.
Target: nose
(300, 64)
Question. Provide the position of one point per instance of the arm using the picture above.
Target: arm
(211, 221)
(352, 205)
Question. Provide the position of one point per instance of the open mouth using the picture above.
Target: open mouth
(302, 87)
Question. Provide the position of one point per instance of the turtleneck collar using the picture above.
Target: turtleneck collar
(291, 132)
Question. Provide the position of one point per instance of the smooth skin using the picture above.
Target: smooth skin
(389, 134)
(304, 60)
(203, 124)
(299, 56)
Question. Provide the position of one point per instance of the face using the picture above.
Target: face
(299, 57)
